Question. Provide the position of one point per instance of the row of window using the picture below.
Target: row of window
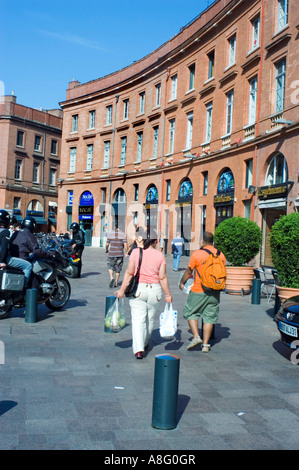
(282, 21)
(36, 173)
(279, 106)
(38, 143)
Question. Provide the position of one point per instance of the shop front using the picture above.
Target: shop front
(184, 213)
(224, 199)
(272, 202)
(85, 212)
(151, 211)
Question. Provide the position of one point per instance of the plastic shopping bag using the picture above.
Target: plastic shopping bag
(115, 319)
(188, 284)
(168, 321)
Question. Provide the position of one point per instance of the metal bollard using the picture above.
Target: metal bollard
(166, 384)
(256, 291)
(277, 303)
(31, 306)
(110, 299)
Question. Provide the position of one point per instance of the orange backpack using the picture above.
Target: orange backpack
(214, 273)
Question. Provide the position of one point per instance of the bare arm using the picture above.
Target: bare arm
(187, 274)
(164, 283)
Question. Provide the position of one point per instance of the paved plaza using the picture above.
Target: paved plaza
(66, 384)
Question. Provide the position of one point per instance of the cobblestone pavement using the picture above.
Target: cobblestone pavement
(66, 384)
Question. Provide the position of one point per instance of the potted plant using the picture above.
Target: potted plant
(240, 241)
(284, 244)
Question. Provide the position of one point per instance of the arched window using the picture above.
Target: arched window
(120, 196)
(277, 171)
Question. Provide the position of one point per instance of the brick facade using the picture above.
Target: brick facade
(237, 62)
(30, 144)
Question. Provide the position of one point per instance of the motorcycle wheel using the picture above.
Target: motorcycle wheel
(58, 301)
(73, 271)
(5, 312)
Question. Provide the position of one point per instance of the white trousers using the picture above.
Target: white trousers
(143, 309)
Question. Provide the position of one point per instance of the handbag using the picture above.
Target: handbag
(168, 322)
(131, 288)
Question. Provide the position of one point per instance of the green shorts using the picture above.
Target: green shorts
(202, 304)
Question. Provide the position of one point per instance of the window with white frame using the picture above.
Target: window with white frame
(92, 119)
(106, 154)
(126, 109)
(280, 85)
(283, 14)
(229, 111)
(89, 157)
(255, 39)
(277, 171)
(37, 143)
(20, 139)
(232, 50)
(158, 94)
(191, 76)
(174, 82)
(209, 112)
(141, 102)
(75, 123)
(252, 100)
(171, 135)
(205, 183)
(249, 171)
(123, 152)
(35, 178)
(52, 177)
(211, 59)
(139, 146)
(155, 141)
(189, 130)
(109, 114)
(73, 153)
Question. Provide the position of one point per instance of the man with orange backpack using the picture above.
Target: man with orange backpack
(208, 267)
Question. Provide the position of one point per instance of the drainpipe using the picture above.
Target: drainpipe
(258, 110)
(112, 156)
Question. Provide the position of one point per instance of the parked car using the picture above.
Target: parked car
(287, 322)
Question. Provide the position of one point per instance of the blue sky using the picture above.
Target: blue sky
(47, 43)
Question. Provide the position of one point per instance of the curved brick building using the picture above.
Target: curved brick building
(203, 128)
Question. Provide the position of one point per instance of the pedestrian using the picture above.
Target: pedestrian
(161, 243)
(22, 245)
(200, 302)
(77, 242)
(177, 245)
(152, 281)
(115, 246)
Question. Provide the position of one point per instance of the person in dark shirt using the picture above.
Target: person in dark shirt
(78, 243)
(23, 243)
(6, 259)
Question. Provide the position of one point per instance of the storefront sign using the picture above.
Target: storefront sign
(224, 199)
(277, 190)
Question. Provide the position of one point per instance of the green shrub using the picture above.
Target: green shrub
(284, 243)
(239, 239)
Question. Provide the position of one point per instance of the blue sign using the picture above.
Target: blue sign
(86, 199)
(70, 198)
(152, 195)
(186, 190)
(226, 182)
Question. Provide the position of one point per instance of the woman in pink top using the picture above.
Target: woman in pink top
(152, 280)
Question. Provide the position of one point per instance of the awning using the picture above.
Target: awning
(272, 203)
(52, 221)
(40, 220)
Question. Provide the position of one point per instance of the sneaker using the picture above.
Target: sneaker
(194, 343)
(206, 348)
(111, 283)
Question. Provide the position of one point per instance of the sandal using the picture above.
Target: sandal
(206, 348)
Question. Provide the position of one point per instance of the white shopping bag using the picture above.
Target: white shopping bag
(168, 321)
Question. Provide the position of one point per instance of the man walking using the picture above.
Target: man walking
(116, 243)
(200, 302)
(177, 250)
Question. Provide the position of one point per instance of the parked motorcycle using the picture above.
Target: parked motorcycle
(53, 288)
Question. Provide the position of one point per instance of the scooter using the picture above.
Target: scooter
(53, 289)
